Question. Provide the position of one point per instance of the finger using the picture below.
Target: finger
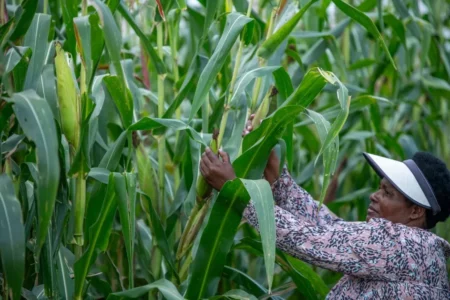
(210, 155)
(249, 128)
(205, 158)
(252, 116)
(203, 170)
(225, 156)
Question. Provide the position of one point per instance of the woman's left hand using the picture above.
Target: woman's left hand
(215, 171)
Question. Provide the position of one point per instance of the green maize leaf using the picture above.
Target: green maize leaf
(245, 80)
(302, 271)
(22, 20)
(245, 281)
(12, 239)
(90, 43)
(366, 22)
(5, 31)
(235, 294)
(216, 240)
(330, 153)
(302, 277)
(159, 234)
(285, 89)
(283, 84)
(258, 144)
(47, 90)
(47, 269)
(99, 234)
(144, 249)
(356, 104)
(158, 63)
(211, 10)
(17, 63)
(66, 284)
(100, 174)
(36, 39)
(69, 12)
(126, 197)
(36, 119)
(261, 195)
(167, 289)
(235, 24)
(182, 4)
(154, 123)
(275, 40)
(403, 12)
(113, 42)
(435, 83)
(187, 85)
(121, 96)
(110, 161)
(344, 100)
(397, 26)
(362, 63)
(319, 48)
(68, 97)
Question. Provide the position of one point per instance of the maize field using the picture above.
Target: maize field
(107, 105)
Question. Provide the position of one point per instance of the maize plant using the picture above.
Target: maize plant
(107, 105)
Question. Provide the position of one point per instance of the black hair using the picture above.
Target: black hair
(438, 176)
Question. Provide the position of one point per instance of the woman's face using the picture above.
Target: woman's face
(388, 203)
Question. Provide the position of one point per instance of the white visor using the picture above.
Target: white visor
(407, 178)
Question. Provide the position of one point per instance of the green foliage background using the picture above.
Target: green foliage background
(106, 107)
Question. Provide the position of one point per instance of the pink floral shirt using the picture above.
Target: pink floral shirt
(380, 259)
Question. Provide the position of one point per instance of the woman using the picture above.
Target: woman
(390, 256)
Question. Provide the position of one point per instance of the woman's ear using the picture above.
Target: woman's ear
(417, 212)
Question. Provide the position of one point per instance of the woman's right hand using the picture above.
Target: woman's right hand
(271, 172)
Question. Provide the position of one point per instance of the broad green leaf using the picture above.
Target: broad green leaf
(17, 60)
(235, 24)
(275, 40)
(22, 19)
(100, 174)
(246, 78)
(319, 48)
(235, 294)
(36, 39)
(258, 144)
(160, 235)
(436, 83)
(397, 26)
(167, 289)
(216, 240)
(69, 12)
(211, 10)
(99, 234)
(144, 249)
(283, 84)
(262, 198)
(121, 96)
(47, 90)
(158, 63)
(308, 282)
(113, 42)
(12, 239)
(36, 119)
(155, 123)
(366, 22)
(110, 161)
(5, 31)
(126, 203)
(245, 281)
(66, 284)
(90, 43)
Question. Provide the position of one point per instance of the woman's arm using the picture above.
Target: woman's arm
(291, 197)
(355, 248)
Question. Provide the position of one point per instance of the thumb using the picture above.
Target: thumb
(225, 156)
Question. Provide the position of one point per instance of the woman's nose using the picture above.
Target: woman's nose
(373, 197)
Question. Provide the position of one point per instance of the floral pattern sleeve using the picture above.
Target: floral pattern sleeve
(291, 197)
(353, 248)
